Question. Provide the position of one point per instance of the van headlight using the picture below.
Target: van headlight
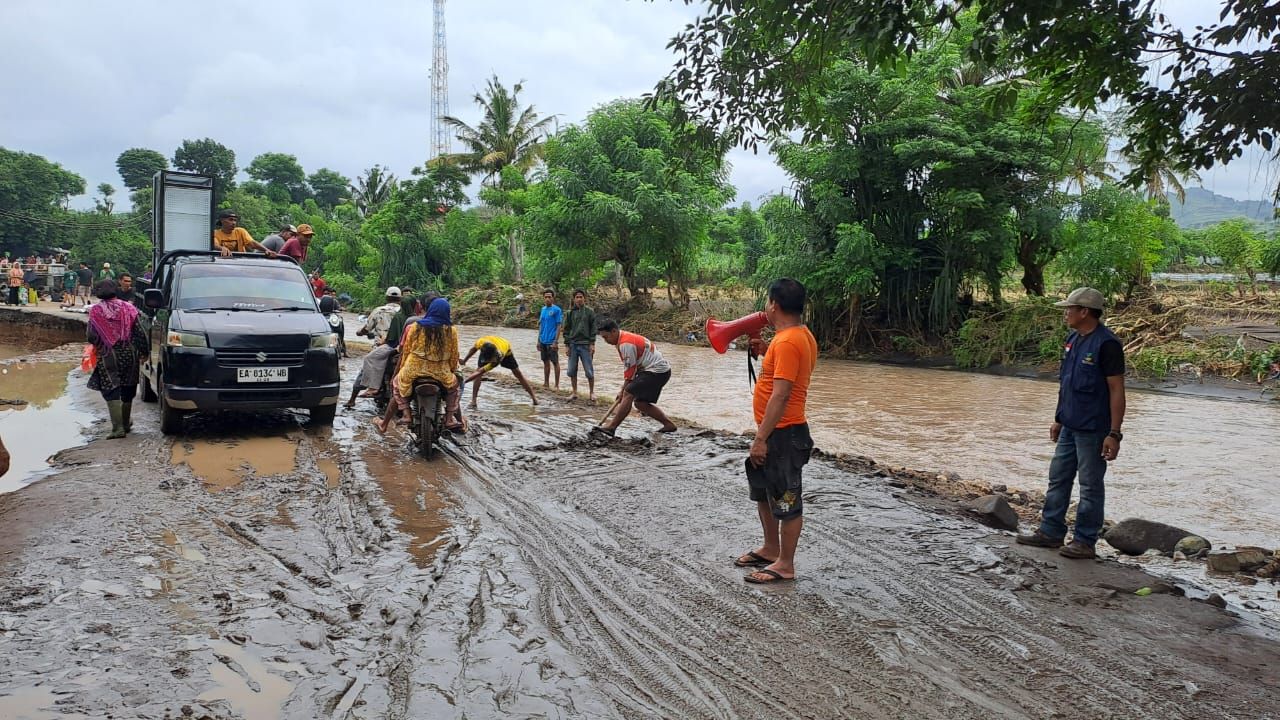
(327, 340)
(334, 321)
(178, 338)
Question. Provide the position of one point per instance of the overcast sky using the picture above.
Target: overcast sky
(343, 85)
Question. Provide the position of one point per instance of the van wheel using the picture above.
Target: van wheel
(324, 414)
(148, 395)
(170, 419)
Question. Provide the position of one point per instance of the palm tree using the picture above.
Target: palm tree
(506, 135)
(372, 189)
(1086, 159)
(1161, 176)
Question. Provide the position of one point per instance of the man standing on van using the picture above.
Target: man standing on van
(782, 444)
(550, 321)
(229, 237)
(1086, 427)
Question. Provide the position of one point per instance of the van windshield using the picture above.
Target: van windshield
(230, 286)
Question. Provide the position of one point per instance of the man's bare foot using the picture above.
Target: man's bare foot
(348, 405)
(668, 428)
(471, 406)
(380, 425)
(368, 393)
(591, 397)
(535, 400)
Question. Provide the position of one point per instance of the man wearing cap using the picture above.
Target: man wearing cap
(1086, 427)
(374, 367)
(229, 237)
(106, 273)
(275, 241)
(296, 246)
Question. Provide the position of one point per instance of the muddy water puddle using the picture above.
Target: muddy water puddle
(1205, 464)
(39, 416)
(245, 681)
(224, 464)
(418, 494)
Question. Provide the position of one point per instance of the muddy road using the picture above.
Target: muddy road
(261, 568)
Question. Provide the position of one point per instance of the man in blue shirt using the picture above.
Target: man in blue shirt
(550, 322)
(1086, 427)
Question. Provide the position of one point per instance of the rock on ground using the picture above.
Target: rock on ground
(1192, 545)
(1135, 536)
(1242, 558)
(995, 511)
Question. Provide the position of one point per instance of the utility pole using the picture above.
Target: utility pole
(440, 133)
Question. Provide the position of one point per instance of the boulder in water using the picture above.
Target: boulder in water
(1239, 559)
(1135, 536)
(1192, 546)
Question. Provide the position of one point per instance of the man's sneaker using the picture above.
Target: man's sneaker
(1039, 539)
(1078, 551)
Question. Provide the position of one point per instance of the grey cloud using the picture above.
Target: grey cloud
(339, 84)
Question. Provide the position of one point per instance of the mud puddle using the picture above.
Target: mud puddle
(39, 416)
(223, 464)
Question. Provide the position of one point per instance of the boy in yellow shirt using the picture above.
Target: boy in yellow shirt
(494, 351)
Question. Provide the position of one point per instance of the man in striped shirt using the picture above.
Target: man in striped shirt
(644, 372)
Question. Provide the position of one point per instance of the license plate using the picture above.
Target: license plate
(262, 374)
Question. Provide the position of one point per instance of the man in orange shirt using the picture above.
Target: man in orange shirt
(782, 444)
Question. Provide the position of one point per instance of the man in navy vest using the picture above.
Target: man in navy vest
(1086, 426)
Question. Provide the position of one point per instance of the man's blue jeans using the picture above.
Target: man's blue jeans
(580, 351)
(1077, 452)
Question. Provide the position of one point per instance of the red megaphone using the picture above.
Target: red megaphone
(722, 333)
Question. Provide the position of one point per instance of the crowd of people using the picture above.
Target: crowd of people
(415, 340)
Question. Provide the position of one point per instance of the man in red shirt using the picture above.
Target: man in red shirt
(782, 444)
(644, 373)
(296, 246)
(318, 286)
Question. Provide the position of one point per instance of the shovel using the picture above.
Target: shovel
(597, 430)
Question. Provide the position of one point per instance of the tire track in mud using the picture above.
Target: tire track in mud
(884, 624)
(642, 640)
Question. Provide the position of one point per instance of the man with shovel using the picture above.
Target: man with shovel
(645, 372)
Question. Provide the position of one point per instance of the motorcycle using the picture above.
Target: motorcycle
(329, 308)
(428, 408)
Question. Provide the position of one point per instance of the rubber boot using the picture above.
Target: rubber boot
(116, 409)
(126, 415)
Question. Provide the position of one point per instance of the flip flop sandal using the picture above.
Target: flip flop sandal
(756, 560)
(598, 431)
(774, 577)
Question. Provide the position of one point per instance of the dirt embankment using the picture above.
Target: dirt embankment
(528, 572)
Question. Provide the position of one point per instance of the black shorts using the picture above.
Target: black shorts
(779, 481)
(548, 353)
(647, 386)
(508, 361)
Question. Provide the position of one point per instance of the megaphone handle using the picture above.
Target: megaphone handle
(751, 372)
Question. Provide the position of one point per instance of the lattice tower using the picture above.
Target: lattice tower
(440, 133)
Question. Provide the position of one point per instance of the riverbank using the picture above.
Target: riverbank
(1197, 339)
(298, 572)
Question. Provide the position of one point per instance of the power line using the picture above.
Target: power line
(71, 224)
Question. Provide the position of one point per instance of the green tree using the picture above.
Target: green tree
(330, 187)
(282, 176)
(372, 189)
(507, 135)
(1114, 241)
(33, 196)
(623, 187)
(212, 158)
(750, 68)
(138, 165)
(1239, 246)
(105, 204)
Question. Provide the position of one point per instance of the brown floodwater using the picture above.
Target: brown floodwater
(222, 464)
(1204, 464)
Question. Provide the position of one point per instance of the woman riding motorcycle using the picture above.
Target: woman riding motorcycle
(428, 349)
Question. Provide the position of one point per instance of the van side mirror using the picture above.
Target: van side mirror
(153, 298)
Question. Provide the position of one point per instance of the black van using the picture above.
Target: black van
(236, 333)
